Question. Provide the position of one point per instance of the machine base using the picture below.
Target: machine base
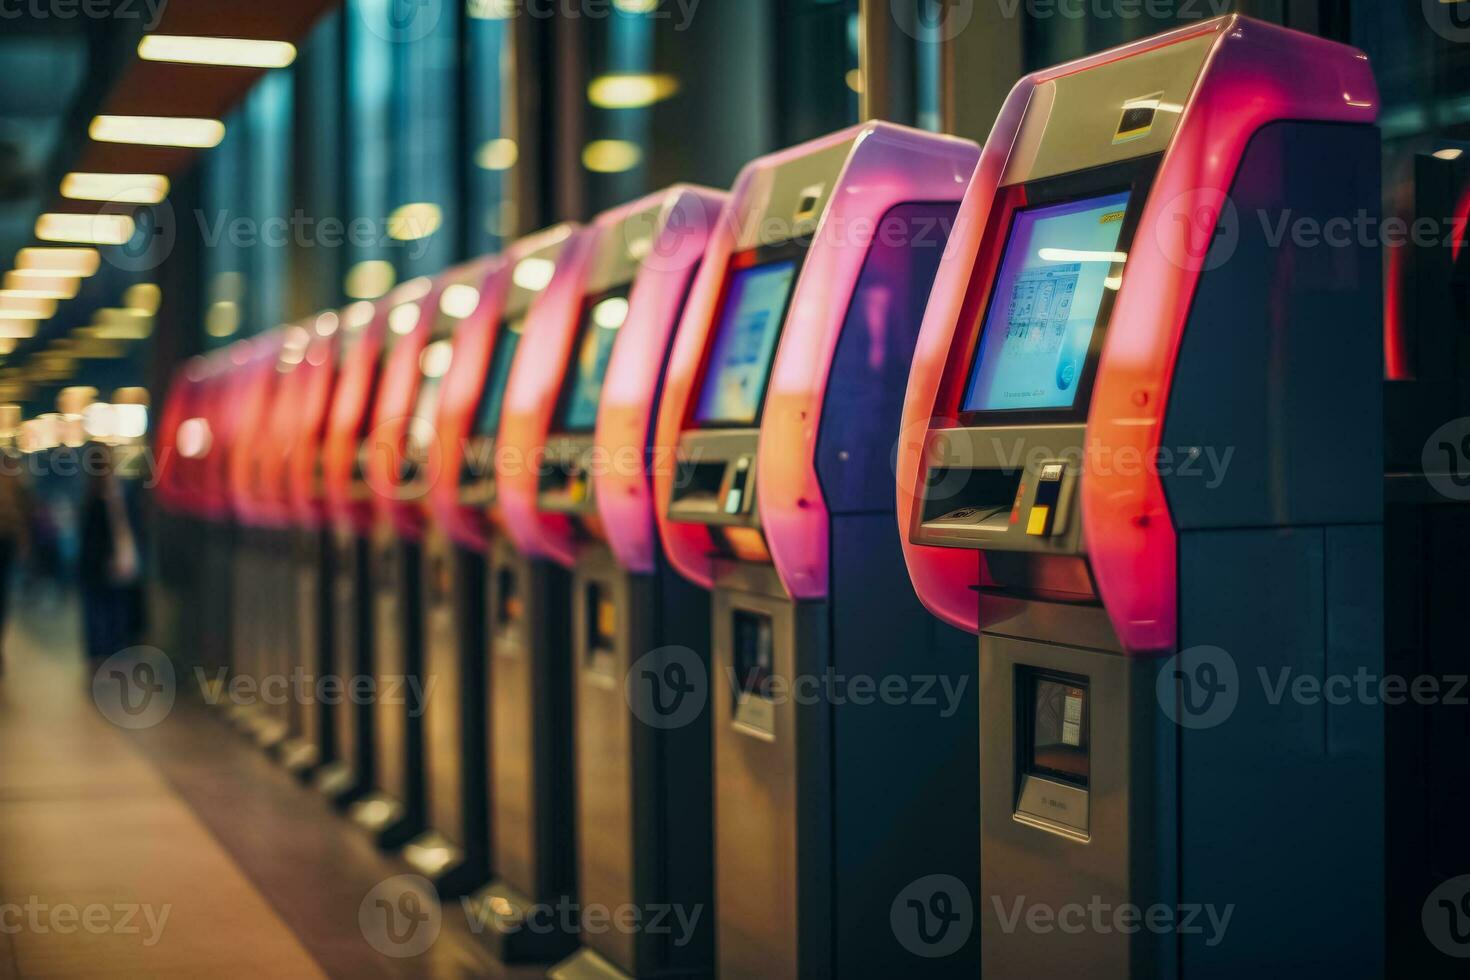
(270, 733)
(385, 819)
(338, 782)
(586, 964)
(501, 912)
(299, 757)
(443, 862)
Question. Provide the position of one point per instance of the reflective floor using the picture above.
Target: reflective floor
(178, 851)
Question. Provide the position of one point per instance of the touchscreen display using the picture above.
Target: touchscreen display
(601, 318)
(487, 415)
(1054, 272)
(745, 342)
(434, 363)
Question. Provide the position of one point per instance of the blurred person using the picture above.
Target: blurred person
(110, 560)
(15, 525)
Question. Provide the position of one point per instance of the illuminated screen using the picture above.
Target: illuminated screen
(1037, 332)
(745, 341)
(601, 318)
(487, 416)
(421, 426)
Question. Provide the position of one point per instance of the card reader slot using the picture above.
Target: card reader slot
(976, 499)
(698, 486)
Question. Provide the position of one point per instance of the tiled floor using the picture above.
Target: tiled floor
(175, 851)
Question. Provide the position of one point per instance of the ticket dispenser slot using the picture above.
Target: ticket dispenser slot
(1054, 749)
(754, 659)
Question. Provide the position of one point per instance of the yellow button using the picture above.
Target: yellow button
(1036, 521)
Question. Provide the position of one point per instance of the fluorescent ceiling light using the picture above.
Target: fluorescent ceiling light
(631, 90)
(158, 131)
(49, 287)
(57, 261)
(414, 221)
(611, 156)
(116, 188)
(18, 307)
(88, 229)
(17, 329)
(497, 154)
(369, 279)
(228, 52)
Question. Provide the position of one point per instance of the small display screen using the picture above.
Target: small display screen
(745, 342)
(1056, 268)
(1059, 735)
(487, 415)
(602, 315)
(421, 426)
(755, 653)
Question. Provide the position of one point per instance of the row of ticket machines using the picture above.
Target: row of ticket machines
(662, 544)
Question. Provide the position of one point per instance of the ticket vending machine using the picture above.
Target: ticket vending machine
(448, 759)
(273, 591)
(392, 810)
(310, 743)
(1141, 458)
(642, 793)
(772, 483)
(250, 642)
(181, 580)
(363, 329)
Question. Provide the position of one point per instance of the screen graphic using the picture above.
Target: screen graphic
(745, 342)
(1054, 272)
